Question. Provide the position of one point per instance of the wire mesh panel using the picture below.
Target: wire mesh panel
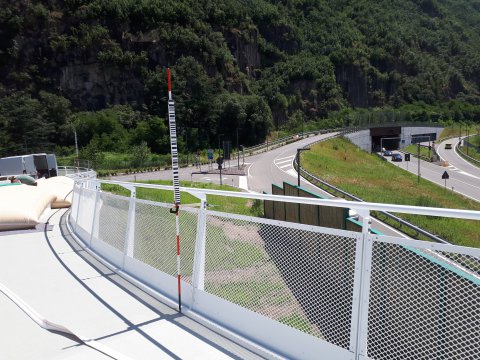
(112, 219)
(424, 304)
(85, 209)
(155, 237)
(302, 278)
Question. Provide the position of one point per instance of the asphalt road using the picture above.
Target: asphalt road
(464, 178)
(260, 172)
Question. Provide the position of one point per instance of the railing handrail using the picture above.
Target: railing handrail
(417, 210)
(462, 154)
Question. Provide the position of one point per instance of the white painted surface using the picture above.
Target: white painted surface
(53, 279)
(243, 182)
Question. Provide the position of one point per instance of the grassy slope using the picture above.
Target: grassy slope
(344, 165)
(217, 203)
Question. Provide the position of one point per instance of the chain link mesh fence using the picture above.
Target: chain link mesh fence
(302, 278)
(155, 237)
(423, 304)
(112, 212)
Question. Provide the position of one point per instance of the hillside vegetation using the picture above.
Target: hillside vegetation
(251, 65)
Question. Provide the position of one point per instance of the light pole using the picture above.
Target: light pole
(219, 138)
(418, 151)
(303, 121)
(238, 150)
(298, 162)
(76, 141)
(465, 143)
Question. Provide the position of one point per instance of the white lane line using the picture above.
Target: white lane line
(293, 173)
(285, 166)
(243, 182)
(426, 169)
(467, 174)
(285, 158)
(284, 161)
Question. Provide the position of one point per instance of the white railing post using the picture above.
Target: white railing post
(130, 233)
(78, 204)
(361, 289)
(97, 188)
(200, 244)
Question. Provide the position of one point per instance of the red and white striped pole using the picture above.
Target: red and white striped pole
(176, 180)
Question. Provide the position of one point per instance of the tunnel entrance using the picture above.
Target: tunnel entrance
(386, 137)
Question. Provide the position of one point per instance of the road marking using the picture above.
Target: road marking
(292, 172)
(285, 158)
(284, 166)
(289, 161)
(243, 182)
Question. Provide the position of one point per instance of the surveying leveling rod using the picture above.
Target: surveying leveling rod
(176, 181)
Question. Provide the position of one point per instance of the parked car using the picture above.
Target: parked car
(397, 157)
(387, 153)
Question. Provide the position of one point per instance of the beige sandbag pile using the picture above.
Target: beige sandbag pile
(21, 206)
(61, 186)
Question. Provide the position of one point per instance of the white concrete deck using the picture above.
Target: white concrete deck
(62, 283)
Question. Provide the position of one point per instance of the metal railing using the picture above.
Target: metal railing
(77, 172)
(335, 191)
(342, 294)
(465, 156)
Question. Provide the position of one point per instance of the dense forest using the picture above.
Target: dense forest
(246, 66)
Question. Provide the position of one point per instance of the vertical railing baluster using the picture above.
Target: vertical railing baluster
(200, 245)
(95, 209)
(361, 289)
(130, 232)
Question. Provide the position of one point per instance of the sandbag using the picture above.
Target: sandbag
(61, 186)
(21, 206)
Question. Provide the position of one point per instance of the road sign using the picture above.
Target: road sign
(407, 157)
(445, 176)
(210, 154)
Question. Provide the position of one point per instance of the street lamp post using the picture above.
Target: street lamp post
(298, 162)
(465, 143)
(219, 138)
(238, 151)
(418, 151)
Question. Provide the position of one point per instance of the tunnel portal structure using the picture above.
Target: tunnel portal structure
(393, 137)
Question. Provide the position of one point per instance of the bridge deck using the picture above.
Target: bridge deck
(50, 273)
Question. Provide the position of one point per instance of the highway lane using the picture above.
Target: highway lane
(455, 160)
(276, 166)
(463, 179)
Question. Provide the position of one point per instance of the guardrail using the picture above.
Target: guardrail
(76, 172)
(342, 294)
(465, 156)
(266, 146)
(335, 191)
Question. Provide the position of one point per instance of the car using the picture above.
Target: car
(448, 146)
(387, 153)
(397, 157)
